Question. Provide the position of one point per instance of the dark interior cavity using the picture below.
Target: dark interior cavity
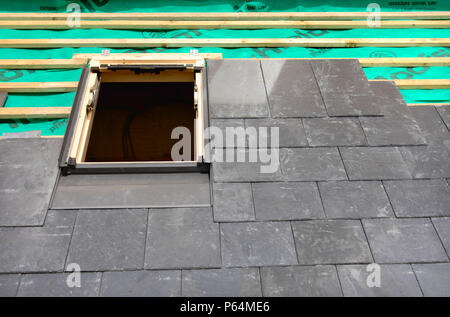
(134, 121)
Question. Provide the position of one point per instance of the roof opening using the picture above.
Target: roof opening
(134, 121)
(125, 113)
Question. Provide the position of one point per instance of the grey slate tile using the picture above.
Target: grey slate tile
(264, 167)
(374, 163)
(432, 161)
(287, 201)
(182, 238)
(231, 134)
(61, 218)
(442, 226)
(141, 284)
(233, 282)
(33, 249)
(21, 208)
(444, 111)
(3, 98)
(389, 99)
(330, 242)
(109, 239)
(27, 179)
(427, 162)
(9, 284)
(257, 244)
(55, 285)
(300, 281)
(345, 88)
(434, 279)
(403, 240)
(48, 147)
(431, 124)
(312, 164)
(233, 202)
(22, 135)
(334, 131)
(153, 190)
(396, 280)
(236, 89)
(355, 199)
(292, 89)
(291, 132)
(419, 198)
(392, 131)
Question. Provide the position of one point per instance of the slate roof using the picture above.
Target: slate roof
(362, 179)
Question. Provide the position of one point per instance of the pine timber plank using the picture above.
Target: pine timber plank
(421, 83)
(34, 112)
(230, 16)
(39, 87)
(42, 63)
(136, 24)
(226, 43)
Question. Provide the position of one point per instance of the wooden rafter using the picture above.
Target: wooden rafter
(421, 83)
(34, 112)
(429, 104)
(63, 112)
(80, 60)
(385, 61)
(224, 42)
(39, 87)
(42, 63)
(136, 24)
(231, 16)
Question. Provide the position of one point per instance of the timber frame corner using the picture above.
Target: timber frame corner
(149, 68)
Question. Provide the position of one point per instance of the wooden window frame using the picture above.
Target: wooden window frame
(76, 139)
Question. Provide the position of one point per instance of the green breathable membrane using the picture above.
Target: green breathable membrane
(40, 100)
(57, 127)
